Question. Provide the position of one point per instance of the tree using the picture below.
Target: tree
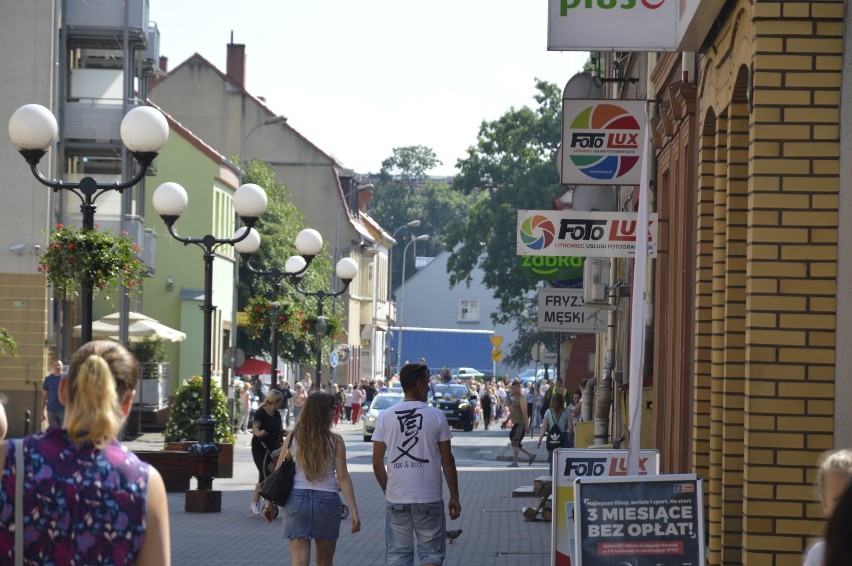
(7, 343)
(511, 167)
(403, 192)
(278, 228)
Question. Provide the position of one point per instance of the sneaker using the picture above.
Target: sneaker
(254, 509)
(532, 459)
(513, 465)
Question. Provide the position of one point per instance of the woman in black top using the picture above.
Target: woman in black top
(267, 431)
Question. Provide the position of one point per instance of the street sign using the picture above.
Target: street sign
(496, 341)
(333, 359)
(497, 355)
(239, 357)
(549, 358)
(538, 351)
(242, 319)
(563, 310)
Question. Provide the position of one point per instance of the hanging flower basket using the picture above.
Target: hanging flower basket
(75, 256)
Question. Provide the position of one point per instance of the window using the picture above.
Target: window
(468, 310)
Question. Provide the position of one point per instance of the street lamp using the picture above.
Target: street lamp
(308, 244)
(170, 200)
(411, 224)
(33, 129)
(346, 269)
(414, 239)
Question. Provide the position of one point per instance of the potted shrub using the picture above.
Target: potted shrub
(181, 431)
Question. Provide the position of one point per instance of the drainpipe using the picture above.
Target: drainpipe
(603, 406)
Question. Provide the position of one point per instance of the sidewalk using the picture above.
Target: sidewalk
(494, 528)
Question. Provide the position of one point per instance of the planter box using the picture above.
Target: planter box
(226, 456)
(173, 465)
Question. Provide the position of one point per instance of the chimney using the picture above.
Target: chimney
(237, 62)
(164, 63)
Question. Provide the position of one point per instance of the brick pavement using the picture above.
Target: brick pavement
(494, 529)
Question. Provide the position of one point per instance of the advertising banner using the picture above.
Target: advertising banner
(612, 25)
(563, 310)
(570, 464)
(601, 141)
(639, 521)
(581, 234)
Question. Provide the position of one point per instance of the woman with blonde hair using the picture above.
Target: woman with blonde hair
(86, 499)
(267, 430)
(313, 510)
(833, 477)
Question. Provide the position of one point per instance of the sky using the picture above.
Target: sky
(361, 77)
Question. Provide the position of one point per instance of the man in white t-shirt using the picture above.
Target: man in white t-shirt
(416, 439)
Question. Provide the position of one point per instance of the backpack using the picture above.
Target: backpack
(555, 434)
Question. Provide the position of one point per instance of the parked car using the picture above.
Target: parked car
(465, 373)
(459, 405)
(534, 376)
(380, 403)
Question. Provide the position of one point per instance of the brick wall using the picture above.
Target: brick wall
(765, 328)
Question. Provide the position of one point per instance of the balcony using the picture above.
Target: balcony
(101, 23)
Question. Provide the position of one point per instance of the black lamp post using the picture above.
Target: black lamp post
(33, 129)
(346, 269)
(309, 244)
(170, 200)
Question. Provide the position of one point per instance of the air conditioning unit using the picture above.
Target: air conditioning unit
(595, 280)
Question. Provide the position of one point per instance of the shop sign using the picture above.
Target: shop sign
(612, 25)
(581, 234)
(601, 141)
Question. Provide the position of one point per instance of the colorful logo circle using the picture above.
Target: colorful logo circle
(537, 232)
(611, 136)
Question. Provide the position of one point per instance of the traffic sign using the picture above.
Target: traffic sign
(333, 359)
(496, 341)
(497, 355)
(538, 351)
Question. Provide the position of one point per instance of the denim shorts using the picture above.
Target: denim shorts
(405, 520)
(312, 514)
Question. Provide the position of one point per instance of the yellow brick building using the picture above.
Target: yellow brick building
(766, 327)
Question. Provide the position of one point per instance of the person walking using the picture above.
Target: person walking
(245, 407)
(485, 402)
(312, 511)
(287, 394)
(347, 404)
(417, 441)
(557, 415)
(357, 397)
(833, 475)
(267, 431)
(86, 499)
(298, 400)
(52, 408)
(520, 422)
(338, 397)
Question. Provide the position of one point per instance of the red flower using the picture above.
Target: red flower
(60, 226)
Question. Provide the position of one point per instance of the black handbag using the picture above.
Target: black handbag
(277, 487)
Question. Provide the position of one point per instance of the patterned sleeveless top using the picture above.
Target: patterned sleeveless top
(82, 505)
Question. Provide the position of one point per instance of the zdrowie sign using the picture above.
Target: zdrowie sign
(605, 25)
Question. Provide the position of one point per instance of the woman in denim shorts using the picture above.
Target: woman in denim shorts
(312, 512)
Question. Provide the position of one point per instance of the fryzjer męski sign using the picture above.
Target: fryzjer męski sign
(581, 234)
(563, 310)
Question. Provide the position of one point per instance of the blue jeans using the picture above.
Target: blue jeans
(426, 521)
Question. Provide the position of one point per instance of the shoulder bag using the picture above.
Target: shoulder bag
(277, 487)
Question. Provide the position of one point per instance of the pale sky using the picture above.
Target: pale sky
(360, 77)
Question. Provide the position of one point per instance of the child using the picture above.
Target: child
(835, 471)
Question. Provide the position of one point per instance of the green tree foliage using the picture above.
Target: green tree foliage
(512, 167)
(405, 192)
(7, 343)
(184, 412)
(278, 228)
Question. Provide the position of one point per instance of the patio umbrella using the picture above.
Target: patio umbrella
(253, 366)
(141, 326)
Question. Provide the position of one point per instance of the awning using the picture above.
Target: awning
(253, 366)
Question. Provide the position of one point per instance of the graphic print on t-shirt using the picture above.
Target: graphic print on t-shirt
(410, 423)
